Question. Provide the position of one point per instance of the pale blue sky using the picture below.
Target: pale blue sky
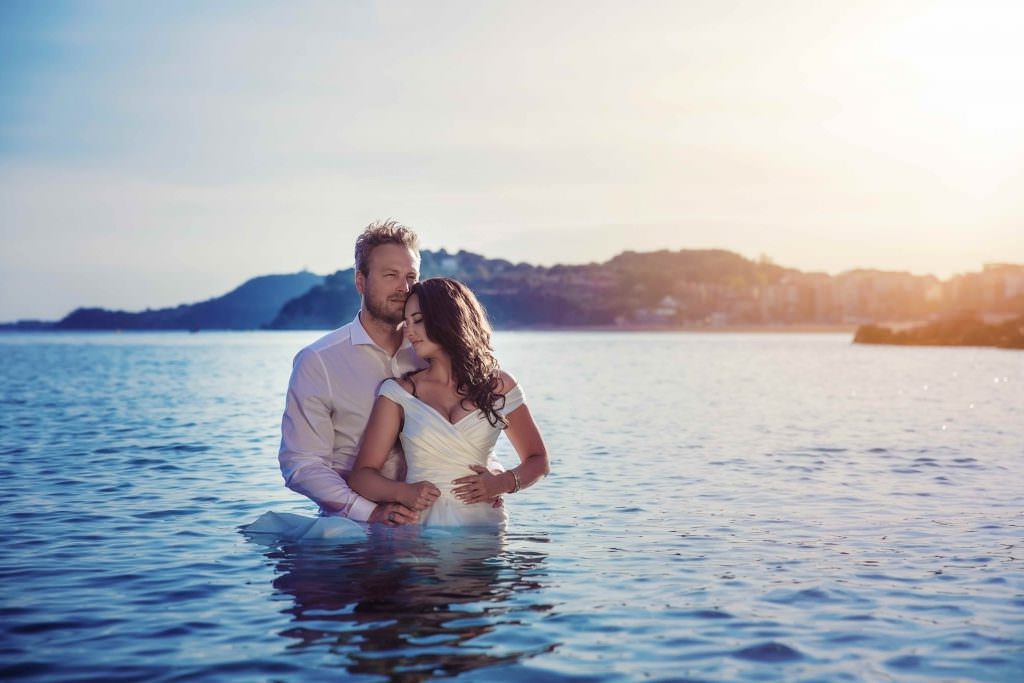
(159, 153)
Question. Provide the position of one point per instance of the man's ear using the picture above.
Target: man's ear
(360, 282)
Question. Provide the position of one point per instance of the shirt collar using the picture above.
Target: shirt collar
(361, 337)
(359, 333)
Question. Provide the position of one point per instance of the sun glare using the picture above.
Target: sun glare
(966, 65)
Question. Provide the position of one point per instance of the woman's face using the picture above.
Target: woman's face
(416, 329)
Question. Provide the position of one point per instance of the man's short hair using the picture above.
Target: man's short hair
(383, 232)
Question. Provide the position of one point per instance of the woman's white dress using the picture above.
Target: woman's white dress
(440, 451)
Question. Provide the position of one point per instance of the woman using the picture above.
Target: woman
(448, 417)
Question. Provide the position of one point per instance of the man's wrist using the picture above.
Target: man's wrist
(361, 509)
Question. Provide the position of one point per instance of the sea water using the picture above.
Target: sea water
(720, 507)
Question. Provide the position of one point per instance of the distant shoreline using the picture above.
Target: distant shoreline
(690, 290)
(767, 328)
(773, 328)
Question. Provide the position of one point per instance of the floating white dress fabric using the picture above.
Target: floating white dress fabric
(288, 526)
(440, 451)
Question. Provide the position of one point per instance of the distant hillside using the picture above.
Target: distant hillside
(652, 290)
(326, 305)
(250, 306)
(631, 287)
(513, 294)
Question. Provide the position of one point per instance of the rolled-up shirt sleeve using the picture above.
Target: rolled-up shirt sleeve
(307, 442)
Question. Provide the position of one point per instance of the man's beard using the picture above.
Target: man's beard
(378, 309)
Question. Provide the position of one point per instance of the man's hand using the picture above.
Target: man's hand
(419, 496)
(484, 486)
(393, 514)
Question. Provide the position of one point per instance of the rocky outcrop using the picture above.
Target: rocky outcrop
(957, 331)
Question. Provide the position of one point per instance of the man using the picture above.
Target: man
(335, 379)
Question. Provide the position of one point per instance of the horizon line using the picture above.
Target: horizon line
(766, 259)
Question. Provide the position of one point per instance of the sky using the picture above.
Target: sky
(153, 154)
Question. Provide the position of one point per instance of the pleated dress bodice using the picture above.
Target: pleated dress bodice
(439, 451)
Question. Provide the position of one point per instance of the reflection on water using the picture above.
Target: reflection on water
(407, 603)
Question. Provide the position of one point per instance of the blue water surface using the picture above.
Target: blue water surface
(721, 507)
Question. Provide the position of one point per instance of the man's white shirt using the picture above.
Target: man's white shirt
(330, 395)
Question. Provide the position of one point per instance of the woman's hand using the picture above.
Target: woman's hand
(419, 496)
(480, 487)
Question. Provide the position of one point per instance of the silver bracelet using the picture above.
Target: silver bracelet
(515, 476)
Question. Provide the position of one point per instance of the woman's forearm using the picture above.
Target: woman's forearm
(381, 432)
(370, 483)
(533, 455)
(527, 473)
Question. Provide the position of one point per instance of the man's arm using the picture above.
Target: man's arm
(307, 442)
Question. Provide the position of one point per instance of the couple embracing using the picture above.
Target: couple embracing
(412, 374)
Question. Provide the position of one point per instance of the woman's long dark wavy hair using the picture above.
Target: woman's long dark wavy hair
(455, 321)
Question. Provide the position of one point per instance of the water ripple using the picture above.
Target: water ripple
(720, 508)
